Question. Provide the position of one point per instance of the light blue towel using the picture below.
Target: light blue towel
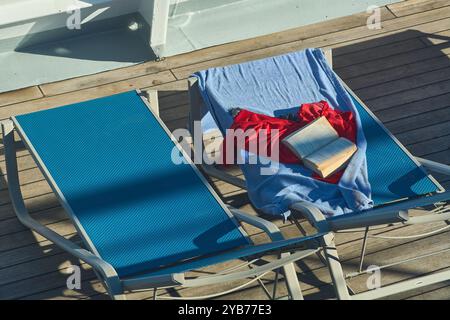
(276, 86)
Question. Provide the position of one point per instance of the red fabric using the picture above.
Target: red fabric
(343, 122)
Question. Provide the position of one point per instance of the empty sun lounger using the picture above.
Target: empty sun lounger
(145, 221)
(398, 180)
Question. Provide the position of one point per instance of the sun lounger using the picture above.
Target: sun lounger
(145, 222)
(398, 180)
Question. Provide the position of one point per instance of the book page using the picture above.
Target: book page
(311, 137)
(331, 157)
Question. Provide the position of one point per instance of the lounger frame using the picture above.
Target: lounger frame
(393, 213)
(116, 286)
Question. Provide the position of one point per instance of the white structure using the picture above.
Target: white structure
(36, 46)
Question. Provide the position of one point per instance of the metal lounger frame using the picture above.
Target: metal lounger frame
(395, 213)
(116, 287)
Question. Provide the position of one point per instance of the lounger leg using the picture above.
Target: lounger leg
(115, 290)
(293, 286)
(363, 249)
(318, 220)
(335, 268)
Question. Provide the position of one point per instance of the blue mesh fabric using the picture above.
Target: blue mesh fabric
(392, 173)
(111, 160)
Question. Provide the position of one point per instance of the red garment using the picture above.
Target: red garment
(343, 122)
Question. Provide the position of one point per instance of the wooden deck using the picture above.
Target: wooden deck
(401, 71)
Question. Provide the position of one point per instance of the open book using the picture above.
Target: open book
(320, 148)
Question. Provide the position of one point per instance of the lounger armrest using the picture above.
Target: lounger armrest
(312, 213)
(94, 261)
(393, 213)
(107, 271)
(348, 221)
(268, 227)
(435, 166)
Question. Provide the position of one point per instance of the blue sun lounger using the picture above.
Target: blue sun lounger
(145, 221)
(398, 180)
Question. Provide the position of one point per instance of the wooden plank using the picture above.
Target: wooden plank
(401, 273)
(399, 72)
(26, 176)
(436, 38)
(373, 41)
(394, 61)
(91, 289)
(45, 217)
(351, 250)
(409, 7)
(32, 252)
(36, 285)
(24, 161)
(380, 52)
(422, 149)
(318, 29)
(176, 113)
(87, 94)
(414, 108)
(409, 96)
(20, 95)
(30, 269)
(419, 121)
(40, 202)
(403, 84)
(20, 152)
(425, 134)
(170, 87)
(176, 124)
(435, 293)
(29, 191)
(392, 31)
(442, 157)
(174, 100)
(95, 80)
(25, 238)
